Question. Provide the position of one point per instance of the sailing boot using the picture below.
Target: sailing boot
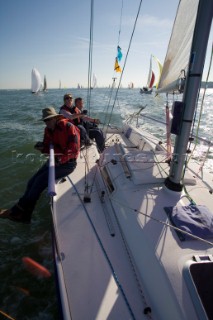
(16, 213)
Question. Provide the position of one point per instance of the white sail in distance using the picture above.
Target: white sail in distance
(35, 81)
(94, 81)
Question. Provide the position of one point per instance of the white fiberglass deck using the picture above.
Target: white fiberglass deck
(119, 259)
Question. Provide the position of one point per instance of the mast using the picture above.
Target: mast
(193, 82)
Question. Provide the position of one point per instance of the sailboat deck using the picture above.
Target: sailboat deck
(94, 239)
(125, 216)
(147, 204)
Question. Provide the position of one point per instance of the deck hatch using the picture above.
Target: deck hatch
(199, 279)
(202, 275)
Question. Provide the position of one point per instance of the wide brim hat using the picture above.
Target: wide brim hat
(48, 113)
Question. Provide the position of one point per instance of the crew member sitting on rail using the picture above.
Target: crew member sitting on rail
(65, 138)
(90, 124)
(65, 110)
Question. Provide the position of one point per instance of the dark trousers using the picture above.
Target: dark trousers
(97, 134)
(36, 185)
(83, 135)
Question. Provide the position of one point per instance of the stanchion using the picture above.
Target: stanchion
(51, 178)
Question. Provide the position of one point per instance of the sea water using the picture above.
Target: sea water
(24, 295)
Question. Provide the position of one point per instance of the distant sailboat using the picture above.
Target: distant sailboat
(151, 77)
(35, 81)
(131, 85)
(94, 81)
(45, 84)
(59, 84)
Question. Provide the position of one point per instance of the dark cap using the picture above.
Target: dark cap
(67, 95)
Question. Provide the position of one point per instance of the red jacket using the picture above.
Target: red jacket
(66, 140)
(64, 107)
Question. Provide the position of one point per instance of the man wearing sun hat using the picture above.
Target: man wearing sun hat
(66, 140)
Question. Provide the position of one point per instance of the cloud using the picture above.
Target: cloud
(153, 21)
(148, 21)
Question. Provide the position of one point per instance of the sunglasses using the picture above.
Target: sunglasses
(68, 98)
(47, 120)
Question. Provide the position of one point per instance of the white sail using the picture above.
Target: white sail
(35, 80)
(94, 81)
(176, 62)
(160, 67)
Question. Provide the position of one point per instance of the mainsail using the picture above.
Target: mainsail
(35, 81)
(177, 58)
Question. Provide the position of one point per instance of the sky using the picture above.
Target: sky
(54, 35)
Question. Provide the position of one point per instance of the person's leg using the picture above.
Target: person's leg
(83, 135)
(64, 169)
(22, 211)
(97, 134)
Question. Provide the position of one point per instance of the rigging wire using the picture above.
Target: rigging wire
(125, 61)
(201, 108)
(90, 56)
(114, 274)
(204, 94)
(114, 78)
(89, 82)
(121, 16)
(110, 97)
(167, 224)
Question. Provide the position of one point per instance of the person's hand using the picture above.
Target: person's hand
(97, 121)
(39, 146)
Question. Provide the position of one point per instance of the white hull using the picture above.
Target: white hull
(116, 258)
